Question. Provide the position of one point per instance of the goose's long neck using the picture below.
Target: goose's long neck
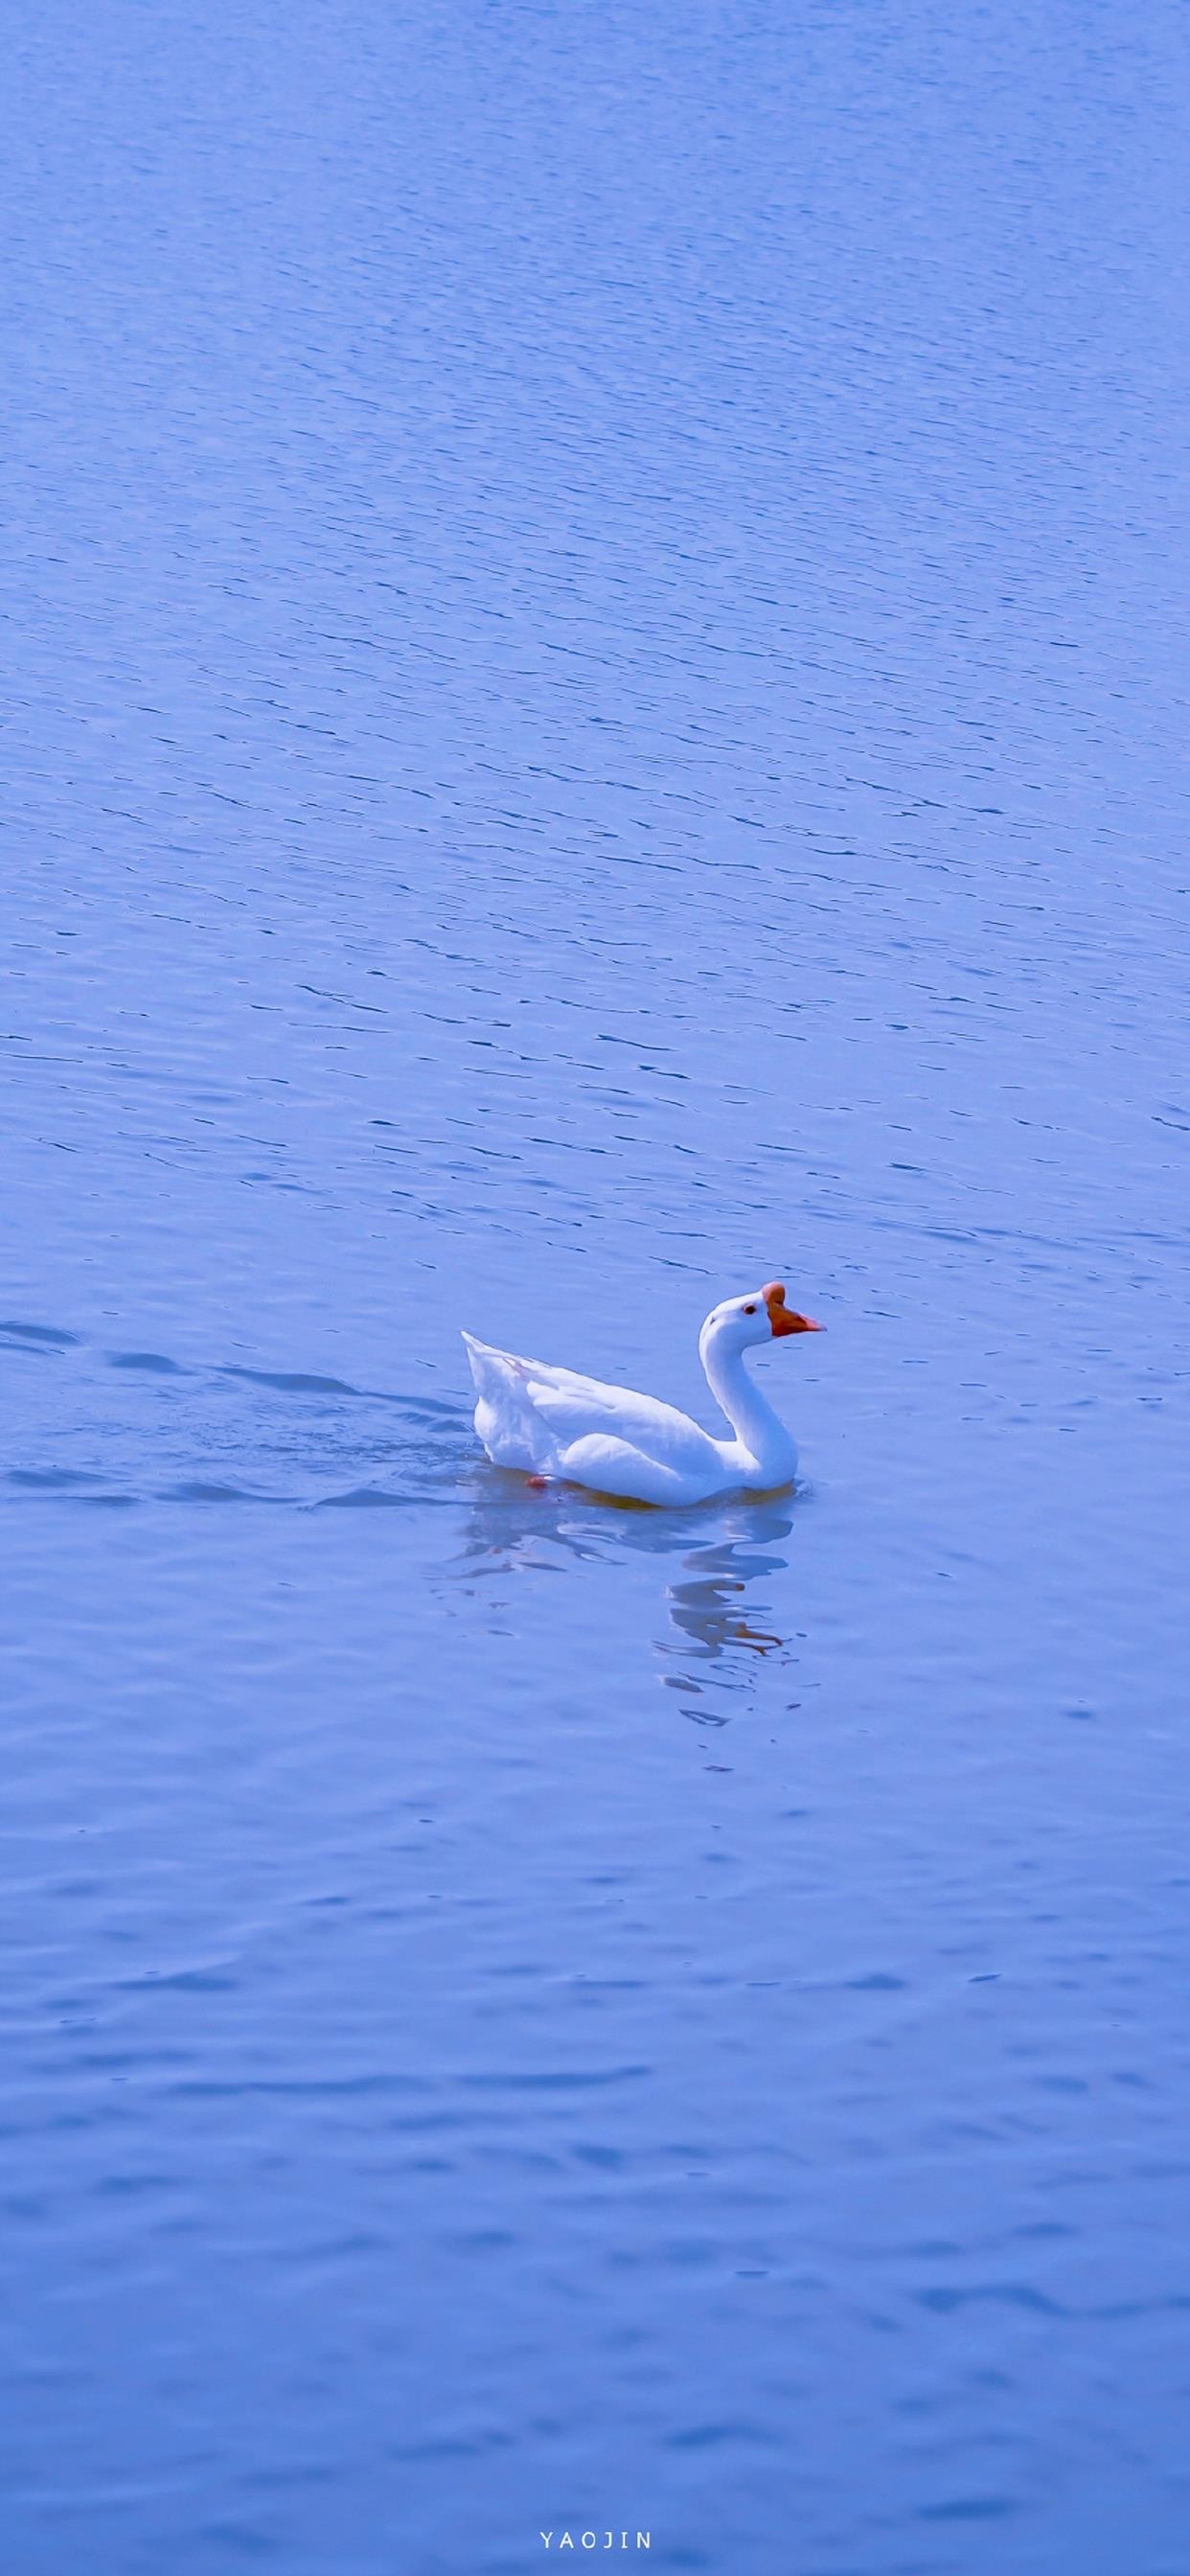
(761, 1431)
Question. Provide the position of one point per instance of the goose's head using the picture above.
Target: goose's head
(761, 1316)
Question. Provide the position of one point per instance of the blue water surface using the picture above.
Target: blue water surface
(597, 648)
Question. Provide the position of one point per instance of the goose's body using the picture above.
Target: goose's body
(551, 1422)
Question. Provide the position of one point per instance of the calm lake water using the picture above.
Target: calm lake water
(597, 665)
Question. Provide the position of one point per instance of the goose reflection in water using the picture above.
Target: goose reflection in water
(716, 1621)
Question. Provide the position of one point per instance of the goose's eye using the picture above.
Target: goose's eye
(749, 1310)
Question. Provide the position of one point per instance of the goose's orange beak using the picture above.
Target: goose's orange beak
(782, 1317)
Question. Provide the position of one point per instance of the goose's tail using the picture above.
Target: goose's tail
(506, 1418)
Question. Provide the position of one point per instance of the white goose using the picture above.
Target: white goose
(551, 1422)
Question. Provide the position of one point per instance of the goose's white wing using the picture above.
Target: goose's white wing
(530, 1413)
